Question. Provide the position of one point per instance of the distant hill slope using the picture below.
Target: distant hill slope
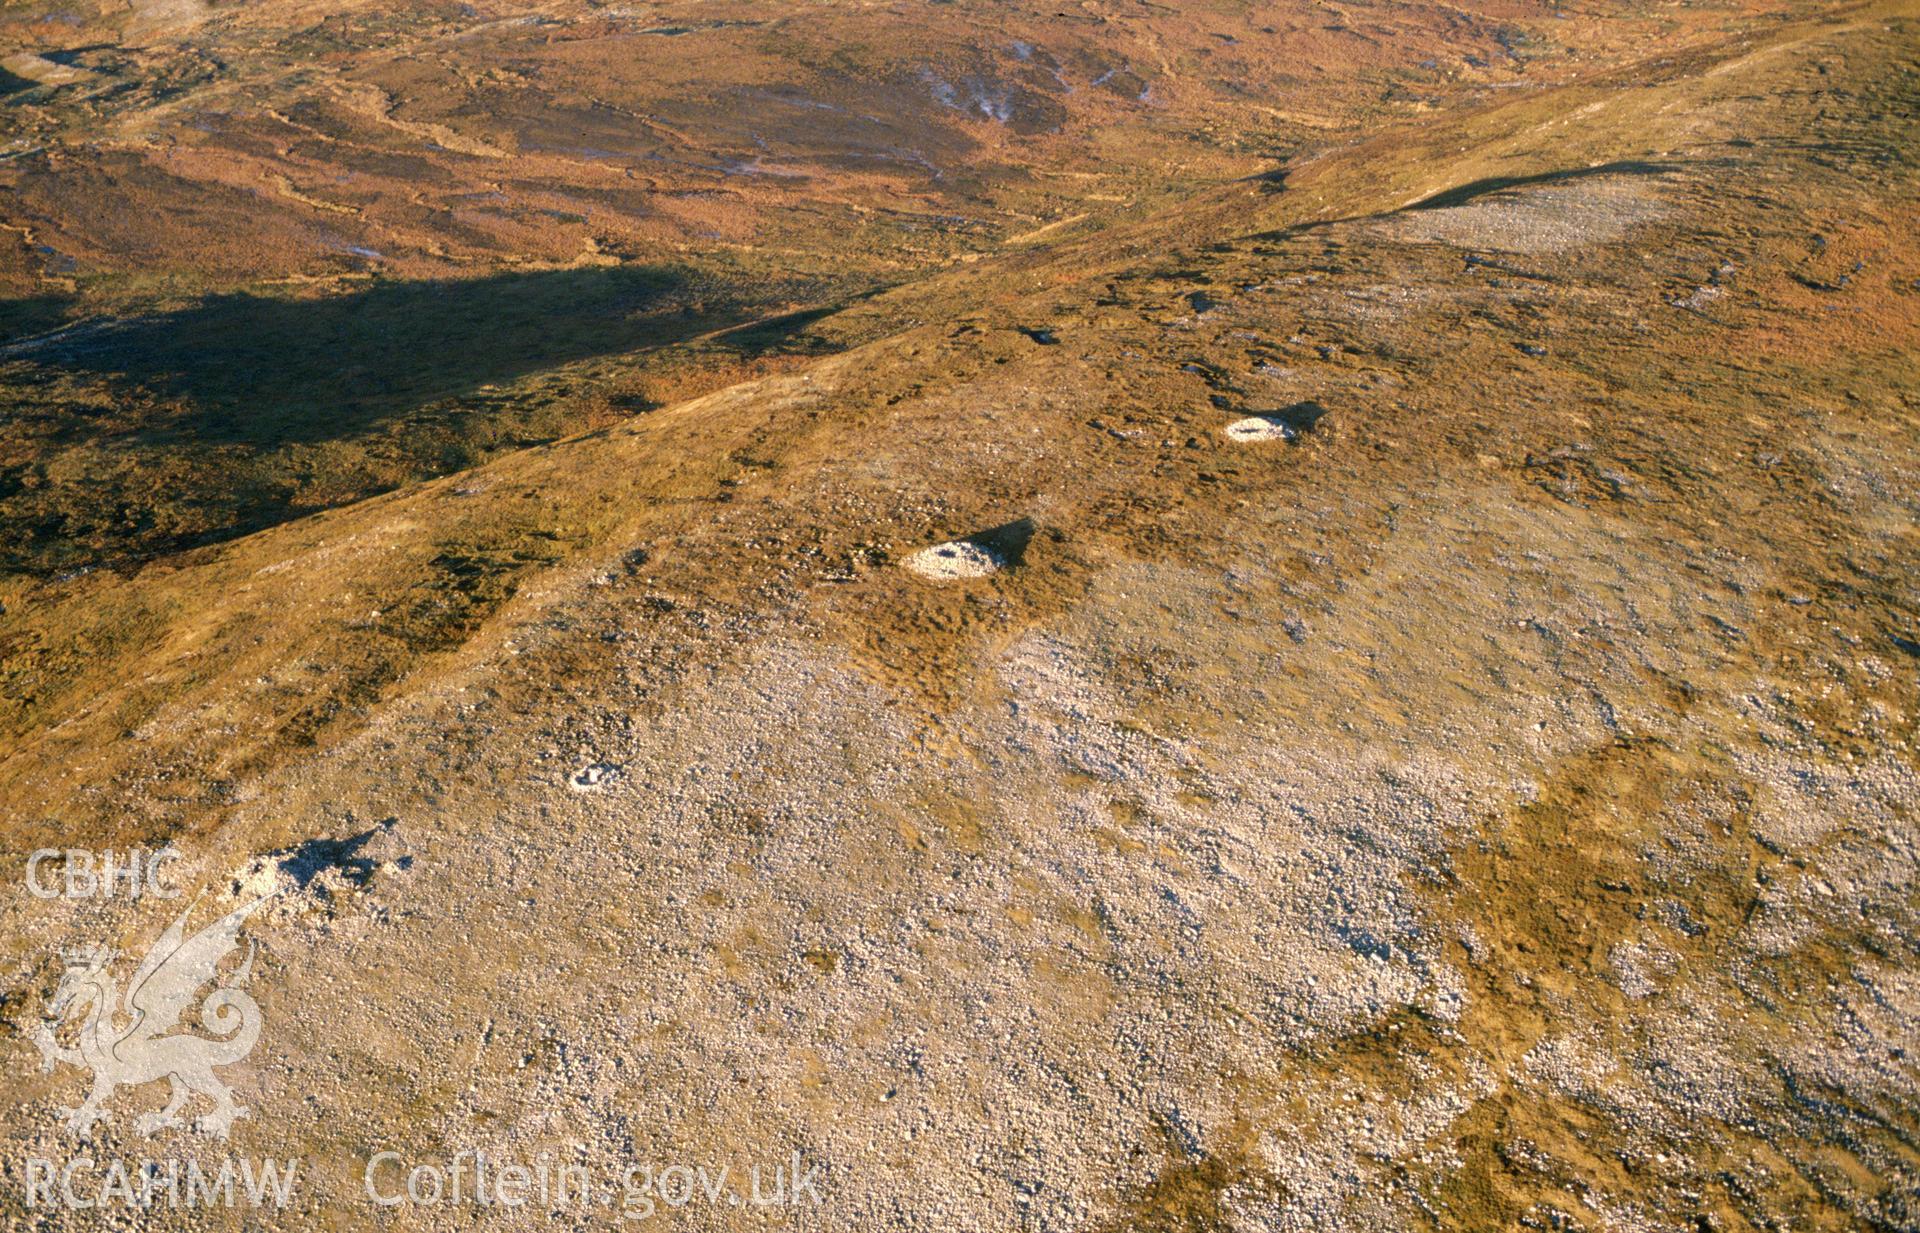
(261, 260)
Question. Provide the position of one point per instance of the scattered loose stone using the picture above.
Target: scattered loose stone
(592, 776)
(1702, 296)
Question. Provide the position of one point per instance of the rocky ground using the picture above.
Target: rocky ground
(1412, 726)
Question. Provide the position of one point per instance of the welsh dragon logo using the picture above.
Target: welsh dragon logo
(124, 1041)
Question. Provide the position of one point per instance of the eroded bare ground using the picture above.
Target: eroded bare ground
(1481, 799)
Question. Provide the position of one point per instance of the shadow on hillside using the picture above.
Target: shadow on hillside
(135, 437)
(31, 315)
(1471, 191)
(1495, 184)
(268, 371)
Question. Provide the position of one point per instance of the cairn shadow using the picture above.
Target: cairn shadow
(1008, 541)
